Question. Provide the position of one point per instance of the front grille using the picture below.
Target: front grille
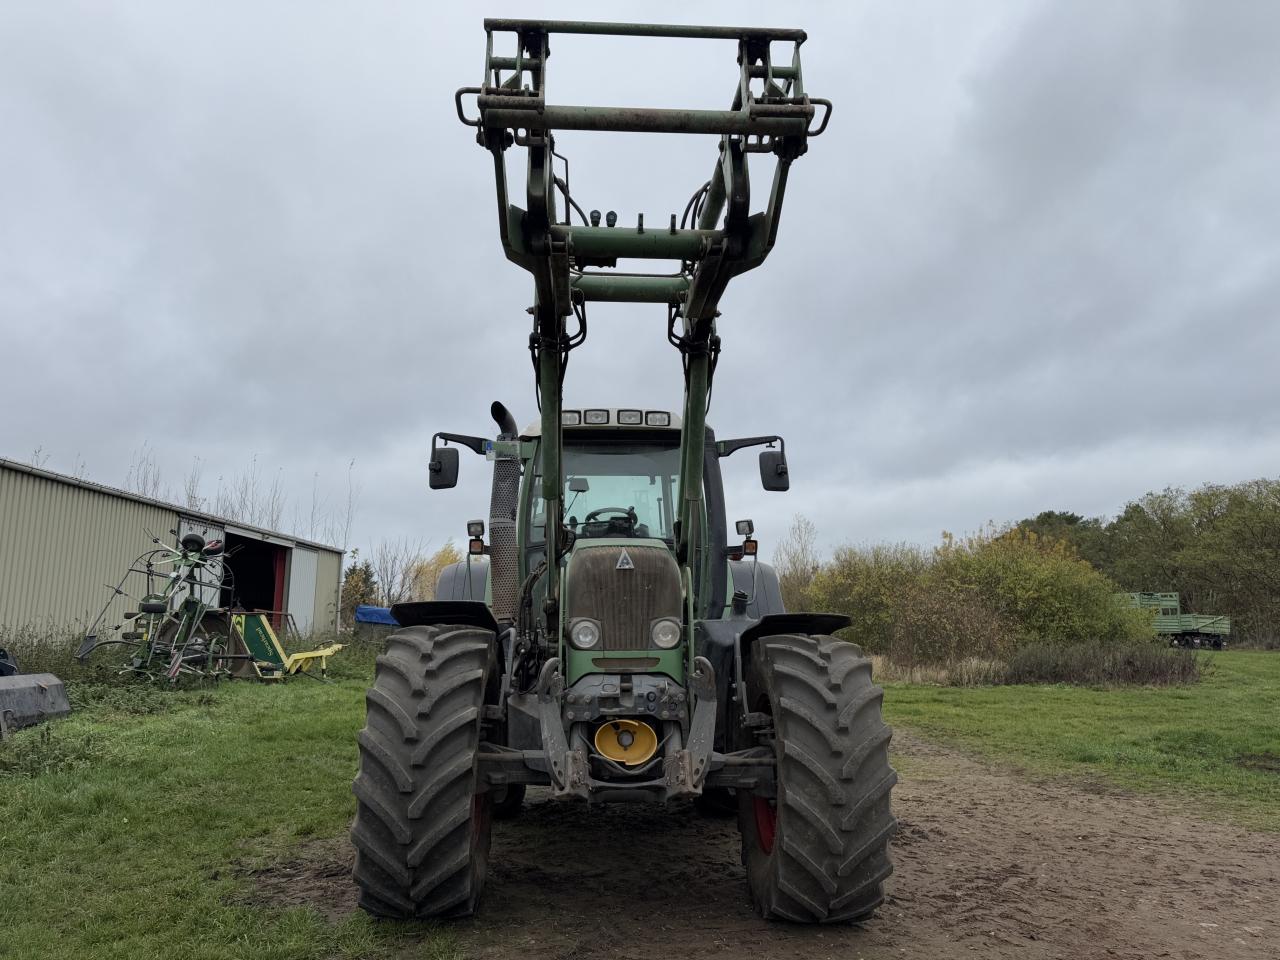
(625, 602)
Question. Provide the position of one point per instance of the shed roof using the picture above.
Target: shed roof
(177, 508)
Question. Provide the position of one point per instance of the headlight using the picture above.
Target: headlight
(584, 634)
(665, 634)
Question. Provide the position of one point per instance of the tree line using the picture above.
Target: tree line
(1216, 546)
(1049, 578)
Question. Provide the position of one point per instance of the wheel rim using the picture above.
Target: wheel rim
(766, 823)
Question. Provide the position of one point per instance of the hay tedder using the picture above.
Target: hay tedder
(179, 628)
(169, 634)
(609, 642)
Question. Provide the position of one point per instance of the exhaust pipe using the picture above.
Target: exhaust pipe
(504, 502)
(507, 429)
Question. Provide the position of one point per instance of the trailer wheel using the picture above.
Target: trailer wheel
(421, 830)
(819, 851)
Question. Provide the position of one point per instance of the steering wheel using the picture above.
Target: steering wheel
(625, 511)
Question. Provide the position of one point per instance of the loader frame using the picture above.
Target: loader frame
(573, 264)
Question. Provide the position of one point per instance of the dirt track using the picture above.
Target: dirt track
(989, 864)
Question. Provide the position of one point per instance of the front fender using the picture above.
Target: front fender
(427, 613)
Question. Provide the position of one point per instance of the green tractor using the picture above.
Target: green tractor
(609, 641)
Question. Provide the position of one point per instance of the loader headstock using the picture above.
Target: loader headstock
(716, 237)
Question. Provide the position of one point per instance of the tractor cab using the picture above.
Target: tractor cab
(630, 602)
(621, 476)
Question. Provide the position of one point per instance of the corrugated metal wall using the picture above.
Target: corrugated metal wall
(328, 580)
(61, 544)
(302, 589)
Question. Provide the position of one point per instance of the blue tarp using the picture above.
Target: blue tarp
(368, 614)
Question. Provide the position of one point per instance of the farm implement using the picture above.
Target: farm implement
(179, 629)
(1190, 630)
(609, 642)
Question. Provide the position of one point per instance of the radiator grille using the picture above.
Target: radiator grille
(625, 602)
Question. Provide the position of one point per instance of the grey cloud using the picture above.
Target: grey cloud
(1032, 264)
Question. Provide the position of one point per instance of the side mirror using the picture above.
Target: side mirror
(444, 468)
(773, 471)
(578, 485)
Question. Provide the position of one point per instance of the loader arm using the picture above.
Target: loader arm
(574, 264)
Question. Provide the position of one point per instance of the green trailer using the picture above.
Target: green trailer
(1182, 629)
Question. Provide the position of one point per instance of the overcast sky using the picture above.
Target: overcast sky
(1034, 263)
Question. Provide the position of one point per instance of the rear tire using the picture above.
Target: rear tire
(422, 831)
(819, 852)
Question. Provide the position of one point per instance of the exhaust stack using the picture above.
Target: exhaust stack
(504, 501)
(507, 429)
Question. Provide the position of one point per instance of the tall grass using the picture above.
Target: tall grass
(1105, 665)
(1085, 665)
(99, 682)
(45, 649)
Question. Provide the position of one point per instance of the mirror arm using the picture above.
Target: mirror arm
(725, 448)
(474, 444)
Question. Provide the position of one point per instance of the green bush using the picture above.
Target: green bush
(867, 584)
(985, 596)
(935, 621)
(1041, 586)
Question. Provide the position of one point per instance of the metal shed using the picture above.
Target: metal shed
(63, 540)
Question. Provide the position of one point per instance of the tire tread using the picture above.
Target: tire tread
(831, 853)
(416, 856)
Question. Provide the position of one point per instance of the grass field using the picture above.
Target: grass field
(132, 838)
(128, 830)
(1214, 745)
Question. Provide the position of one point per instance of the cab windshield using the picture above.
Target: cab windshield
(618, 490)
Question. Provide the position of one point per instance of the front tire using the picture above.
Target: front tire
(819, 851)
(422, 830)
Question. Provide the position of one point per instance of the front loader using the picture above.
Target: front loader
(608, 641)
